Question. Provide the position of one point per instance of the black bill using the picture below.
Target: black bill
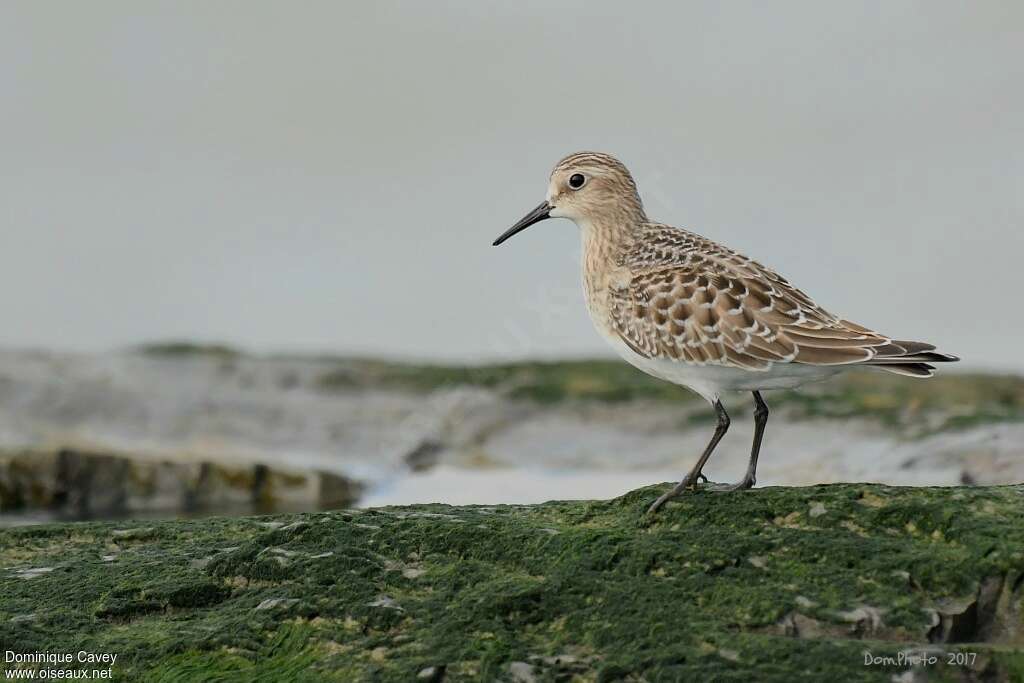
(542, 212)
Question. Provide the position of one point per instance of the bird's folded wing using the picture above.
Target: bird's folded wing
(735, 314)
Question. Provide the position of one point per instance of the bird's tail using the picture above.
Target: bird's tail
(909, 358)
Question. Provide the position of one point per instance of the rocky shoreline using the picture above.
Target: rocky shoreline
(180, 429)
(74, 485)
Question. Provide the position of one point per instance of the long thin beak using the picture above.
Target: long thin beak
(542, 212)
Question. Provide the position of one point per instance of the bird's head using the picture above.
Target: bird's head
(588, 188)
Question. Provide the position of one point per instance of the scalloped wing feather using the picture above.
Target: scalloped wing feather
(696, 301)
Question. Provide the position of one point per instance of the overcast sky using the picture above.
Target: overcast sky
(329, 176)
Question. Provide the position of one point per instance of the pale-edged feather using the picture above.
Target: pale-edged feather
(696, 301)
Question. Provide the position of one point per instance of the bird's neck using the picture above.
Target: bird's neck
(608, 238)
(605, 246)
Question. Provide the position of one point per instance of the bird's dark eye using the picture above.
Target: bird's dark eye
(576, 181)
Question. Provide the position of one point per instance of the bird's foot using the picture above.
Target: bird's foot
(676, 490)
(742, 485)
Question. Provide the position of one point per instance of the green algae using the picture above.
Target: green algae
(770, 584)
(543, 382)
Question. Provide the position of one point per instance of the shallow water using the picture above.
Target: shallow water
(458, 486)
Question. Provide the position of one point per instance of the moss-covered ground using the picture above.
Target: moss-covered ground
(776, 584)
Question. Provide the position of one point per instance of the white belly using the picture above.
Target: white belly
(711, 380)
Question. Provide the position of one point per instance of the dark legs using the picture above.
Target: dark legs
(749, 479)
(690, 479)
(760, 420)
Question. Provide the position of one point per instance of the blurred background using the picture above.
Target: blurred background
(246, 257)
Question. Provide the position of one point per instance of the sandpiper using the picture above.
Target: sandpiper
(693, 312)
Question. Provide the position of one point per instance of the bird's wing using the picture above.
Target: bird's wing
(713, 306)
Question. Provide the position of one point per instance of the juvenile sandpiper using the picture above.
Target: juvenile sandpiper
(693, 312)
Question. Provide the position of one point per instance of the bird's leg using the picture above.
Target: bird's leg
(760, 420)
(691, 478)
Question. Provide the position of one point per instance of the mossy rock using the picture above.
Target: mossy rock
(189, 349)
(950, 401)
(783, 584)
